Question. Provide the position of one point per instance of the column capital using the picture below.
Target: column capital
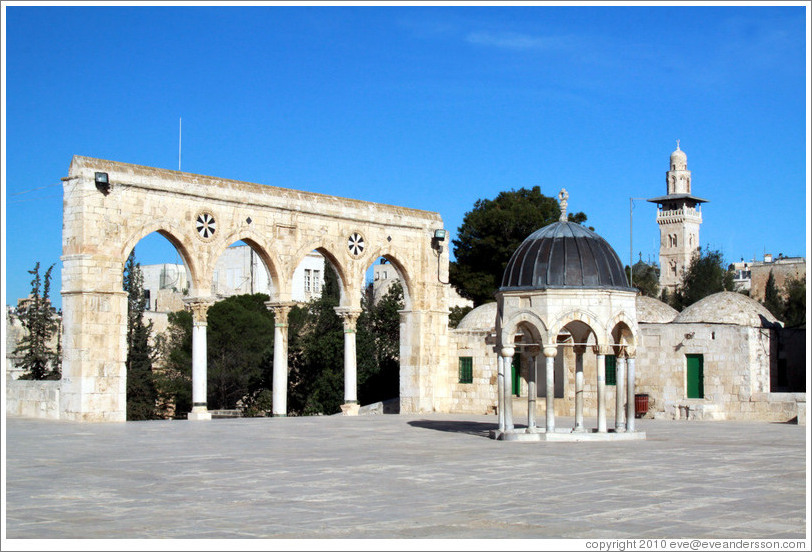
(550, 351)
(631, 351)
(199, 307)
(507, 351)
(579, 349)
(280, 309)
(349, 315)
(602, 349)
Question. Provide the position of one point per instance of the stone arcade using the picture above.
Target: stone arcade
(109, 207)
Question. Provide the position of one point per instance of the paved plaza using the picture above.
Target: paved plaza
(390, 476)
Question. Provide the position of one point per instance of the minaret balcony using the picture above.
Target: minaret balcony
(683, 214)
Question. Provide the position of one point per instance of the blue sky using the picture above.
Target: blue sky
(427, 107)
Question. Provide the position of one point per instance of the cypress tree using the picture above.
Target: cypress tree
(772, 300)
(39, 319)
(141, 393)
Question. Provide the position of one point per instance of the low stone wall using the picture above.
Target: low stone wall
(765, 407)
(32, 399)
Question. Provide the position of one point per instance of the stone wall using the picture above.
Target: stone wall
(33, 399)
(479, 396)
(782, 270)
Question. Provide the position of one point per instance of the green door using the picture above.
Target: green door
(695, 377)
(516, 374)
(610, 369)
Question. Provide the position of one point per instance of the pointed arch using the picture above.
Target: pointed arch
(403, 273)
(580, 315)
(526, 318)
(326, 249)
(258, 244)
(172, 232)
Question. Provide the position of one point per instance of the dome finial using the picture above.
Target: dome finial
(677, 144)
(562, 200)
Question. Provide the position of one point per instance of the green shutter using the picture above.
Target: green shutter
(466, 370)
(611, 368)
(694, 377)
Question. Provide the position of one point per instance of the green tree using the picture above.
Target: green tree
(316, 353)
(705, 276)
(457, 314)
(772, 298)
(491, 232)
(378, 346)
(141, 391)
(239, 349)
(794, 312)
(40, 322)
(645, 278)
(173, 380)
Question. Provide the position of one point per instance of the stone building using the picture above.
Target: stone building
(751, 276)
(720, 359)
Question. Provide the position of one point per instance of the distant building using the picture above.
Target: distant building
(752, 276)
(238, 271)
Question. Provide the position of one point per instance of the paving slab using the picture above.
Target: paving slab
(399, 476)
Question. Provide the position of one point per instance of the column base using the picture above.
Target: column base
(199, 413)
(350, 409)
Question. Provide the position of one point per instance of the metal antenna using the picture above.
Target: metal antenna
(180, 138)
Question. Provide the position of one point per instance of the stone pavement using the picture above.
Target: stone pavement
(390, 476)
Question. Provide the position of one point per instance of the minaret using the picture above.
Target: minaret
(679, 215)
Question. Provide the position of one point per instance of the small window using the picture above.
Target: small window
(146, 299)
(611, 370)
(466, 370)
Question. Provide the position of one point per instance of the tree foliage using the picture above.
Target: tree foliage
(705, 276)
(141, 390)
(794, 304)
(457, 314)
(40, 322)
(239, 349)
(174, 380)
(772, 298)
(645, 278)
(316, 353)
(491, 232)
(379, 346)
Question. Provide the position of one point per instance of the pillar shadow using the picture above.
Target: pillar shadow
(480, 429)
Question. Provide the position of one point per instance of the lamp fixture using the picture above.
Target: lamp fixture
(103, 182)
(439, 234)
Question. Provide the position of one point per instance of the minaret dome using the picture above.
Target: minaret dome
(679, 161)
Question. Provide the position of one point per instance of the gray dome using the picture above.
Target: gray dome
(564, 255)
(727, 307)
(654, 311)
(481, 319)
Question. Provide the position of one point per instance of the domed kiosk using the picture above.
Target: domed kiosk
(564, 293)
